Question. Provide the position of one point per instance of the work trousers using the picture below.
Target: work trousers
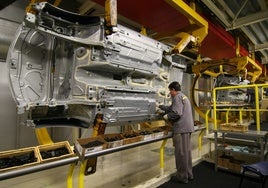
(183, 156)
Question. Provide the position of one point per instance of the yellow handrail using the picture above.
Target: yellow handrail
(257, 105)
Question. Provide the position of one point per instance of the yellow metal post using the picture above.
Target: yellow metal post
(162, 151)
(111, 12)
(257, 108)
(214, 109)
(207, 128)
(241, 115)
(237, 50)
(200, 136)
(42, 136)
(95, 130)
(227, 115)
(70, 176)
(143, 31)
(81, 173)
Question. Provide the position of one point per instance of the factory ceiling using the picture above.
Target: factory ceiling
(248, 18)
(228, 19)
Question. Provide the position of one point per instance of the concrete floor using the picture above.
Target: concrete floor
(135, 167)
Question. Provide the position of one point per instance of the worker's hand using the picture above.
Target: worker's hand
(165, 117)
(162, 107)
(157, 104)
(159, 111)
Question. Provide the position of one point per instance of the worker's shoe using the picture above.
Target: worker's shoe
(190, 179)
(175, 179)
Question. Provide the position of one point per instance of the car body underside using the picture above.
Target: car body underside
(66, 68)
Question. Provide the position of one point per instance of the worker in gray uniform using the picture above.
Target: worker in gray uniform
(179, 113)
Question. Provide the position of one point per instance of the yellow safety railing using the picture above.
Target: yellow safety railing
(239, 108)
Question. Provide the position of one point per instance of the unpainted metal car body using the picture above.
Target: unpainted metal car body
(66, 68)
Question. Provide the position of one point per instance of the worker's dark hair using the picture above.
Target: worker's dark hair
(174, 85)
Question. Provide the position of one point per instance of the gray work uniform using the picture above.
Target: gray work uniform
(181, 117)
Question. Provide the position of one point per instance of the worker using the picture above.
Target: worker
(179, 113)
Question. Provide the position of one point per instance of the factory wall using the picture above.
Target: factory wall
(12, 135)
